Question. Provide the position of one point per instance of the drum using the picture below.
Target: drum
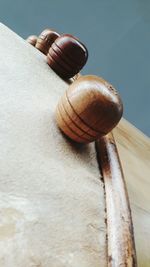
(53, 191)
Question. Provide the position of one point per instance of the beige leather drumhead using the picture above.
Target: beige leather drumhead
(51, 195)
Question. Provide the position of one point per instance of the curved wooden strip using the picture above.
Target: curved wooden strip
(121, 246)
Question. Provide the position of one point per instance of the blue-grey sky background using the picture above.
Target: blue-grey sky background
(116, 33)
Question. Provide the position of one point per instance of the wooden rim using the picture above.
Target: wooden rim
(120, 236)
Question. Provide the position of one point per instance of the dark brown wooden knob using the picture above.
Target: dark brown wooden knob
(89, 109)
(32, 39)
(45, 40)
(67, 56)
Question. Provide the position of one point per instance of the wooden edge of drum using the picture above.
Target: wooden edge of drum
(120, 236)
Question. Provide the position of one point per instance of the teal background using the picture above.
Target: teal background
(116, 32)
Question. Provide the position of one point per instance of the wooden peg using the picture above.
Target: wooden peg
(45, 40)
(89, 109)
(67, 56)
(32, 39)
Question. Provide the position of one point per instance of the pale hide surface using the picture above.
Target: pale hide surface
(51, 197)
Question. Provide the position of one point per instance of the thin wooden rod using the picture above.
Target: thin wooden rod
(121, 246)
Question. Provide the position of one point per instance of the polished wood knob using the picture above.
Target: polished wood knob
(67, 56)
(45, 40)
(89, 109)
(32, 39)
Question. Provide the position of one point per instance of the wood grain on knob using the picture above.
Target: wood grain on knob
(89, 109)
(32, 39)
(67, 56)
(45, 40)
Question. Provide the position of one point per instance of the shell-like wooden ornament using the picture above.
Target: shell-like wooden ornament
(32, 39)
(89, 109)
(45, 40)
(67, 56)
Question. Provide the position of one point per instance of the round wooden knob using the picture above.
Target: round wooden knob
(67, 56)
(89, 109)
(45, 40)
(32, 39)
